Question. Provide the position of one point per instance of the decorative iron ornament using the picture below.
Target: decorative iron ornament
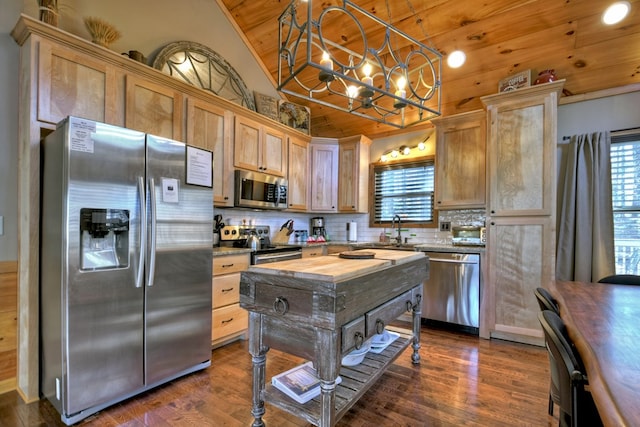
(202, 67)
(334, 73)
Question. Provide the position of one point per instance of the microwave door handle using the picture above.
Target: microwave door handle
(277, 194)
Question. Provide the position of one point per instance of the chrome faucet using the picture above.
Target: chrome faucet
(393, 222)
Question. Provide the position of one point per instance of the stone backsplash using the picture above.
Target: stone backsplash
(336, 224)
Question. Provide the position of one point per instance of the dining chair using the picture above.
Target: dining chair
(621, 279)
(548, 302)
(576, 404)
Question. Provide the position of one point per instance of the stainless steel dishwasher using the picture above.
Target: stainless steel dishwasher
(452, 293)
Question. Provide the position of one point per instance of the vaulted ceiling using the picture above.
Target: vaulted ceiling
(499, 37)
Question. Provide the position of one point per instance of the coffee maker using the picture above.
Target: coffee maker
(317, 227)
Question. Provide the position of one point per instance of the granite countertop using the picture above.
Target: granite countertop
(423, 247)
(226, 250)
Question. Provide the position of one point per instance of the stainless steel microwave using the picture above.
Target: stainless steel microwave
(259, 190)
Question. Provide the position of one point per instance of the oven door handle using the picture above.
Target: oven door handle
(277, 256)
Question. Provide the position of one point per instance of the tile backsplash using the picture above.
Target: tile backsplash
(336, 224)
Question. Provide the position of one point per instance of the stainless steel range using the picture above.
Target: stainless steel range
(237, 236)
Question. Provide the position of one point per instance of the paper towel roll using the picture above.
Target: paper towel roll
(352, 231)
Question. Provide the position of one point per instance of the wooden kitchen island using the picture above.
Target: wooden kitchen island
(322, 308)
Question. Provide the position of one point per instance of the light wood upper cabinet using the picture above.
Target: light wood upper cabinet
(353, 175)
(71, 83)
(297, 198)
(259, 147)
(521, 158)
(211, 127)
(153, 108)
(324, 177)
(460, 160)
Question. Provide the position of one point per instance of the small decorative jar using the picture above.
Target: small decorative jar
(546, 76)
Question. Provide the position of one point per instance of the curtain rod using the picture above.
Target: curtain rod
(636, 129)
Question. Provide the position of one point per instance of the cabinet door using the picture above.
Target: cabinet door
(522, 156)
(353, 175)
(298, 174)
(247, 151)
(460, 161)
(153, 109)
(70, 83)
(274, 152)
(210, 127)
(324, 177)
(521, 258)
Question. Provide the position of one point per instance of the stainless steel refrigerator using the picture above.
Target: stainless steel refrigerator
(125, 264)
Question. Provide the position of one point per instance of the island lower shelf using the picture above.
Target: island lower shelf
(356, 380)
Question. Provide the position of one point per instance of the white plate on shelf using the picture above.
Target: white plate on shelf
(381, 341)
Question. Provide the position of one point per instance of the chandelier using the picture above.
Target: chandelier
(384, 75)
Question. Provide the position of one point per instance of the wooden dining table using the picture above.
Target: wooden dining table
(603, 320)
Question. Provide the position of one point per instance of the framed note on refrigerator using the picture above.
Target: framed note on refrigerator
(199, 167)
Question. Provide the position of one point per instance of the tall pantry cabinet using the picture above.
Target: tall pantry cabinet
(521, 214)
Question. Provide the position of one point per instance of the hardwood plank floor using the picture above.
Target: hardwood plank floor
(462, 381)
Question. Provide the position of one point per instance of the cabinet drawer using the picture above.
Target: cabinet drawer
(228, 320)
(388, 312)
(353, 334)
(285, 301)
(230, 263)
(226, 289)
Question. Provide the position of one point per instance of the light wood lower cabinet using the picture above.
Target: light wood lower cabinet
(228, 320)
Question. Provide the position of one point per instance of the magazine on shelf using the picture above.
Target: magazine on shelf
(300, 383)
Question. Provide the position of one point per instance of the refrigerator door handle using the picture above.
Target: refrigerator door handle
(143, 231)
(152, 252)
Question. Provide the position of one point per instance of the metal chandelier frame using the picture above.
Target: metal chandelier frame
(329, 73)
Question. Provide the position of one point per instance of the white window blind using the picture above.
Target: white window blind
(625, 191)
(404, 189)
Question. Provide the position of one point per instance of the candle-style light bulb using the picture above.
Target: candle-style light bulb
(327, 64)
(352, 91)
(401, 93)
(367, 80)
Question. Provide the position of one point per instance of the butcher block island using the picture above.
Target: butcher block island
(321, 309)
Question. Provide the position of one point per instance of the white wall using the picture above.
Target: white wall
(610, 113)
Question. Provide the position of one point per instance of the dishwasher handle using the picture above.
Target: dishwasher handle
(452, 261)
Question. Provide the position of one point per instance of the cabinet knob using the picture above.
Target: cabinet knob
(493, 223)
(493, 212)
(379, 326)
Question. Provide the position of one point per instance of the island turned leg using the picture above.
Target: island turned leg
(327, 363)
(258, 359)
(417, 312)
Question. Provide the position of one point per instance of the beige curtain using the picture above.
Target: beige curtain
(585, 250)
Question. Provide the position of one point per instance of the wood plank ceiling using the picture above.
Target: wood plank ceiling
(499, 37)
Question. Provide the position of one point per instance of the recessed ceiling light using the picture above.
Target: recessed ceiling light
(616, 12)
(456, 59)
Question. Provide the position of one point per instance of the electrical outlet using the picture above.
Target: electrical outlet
(445, 226)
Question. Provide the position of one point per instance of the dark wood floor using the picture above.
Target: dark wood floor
(462, 381)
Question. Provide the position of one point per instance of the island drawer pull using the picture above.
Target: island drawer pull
(227, 265)
(358, 337)
(281, 305)
(227, 321)
(226, 290)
